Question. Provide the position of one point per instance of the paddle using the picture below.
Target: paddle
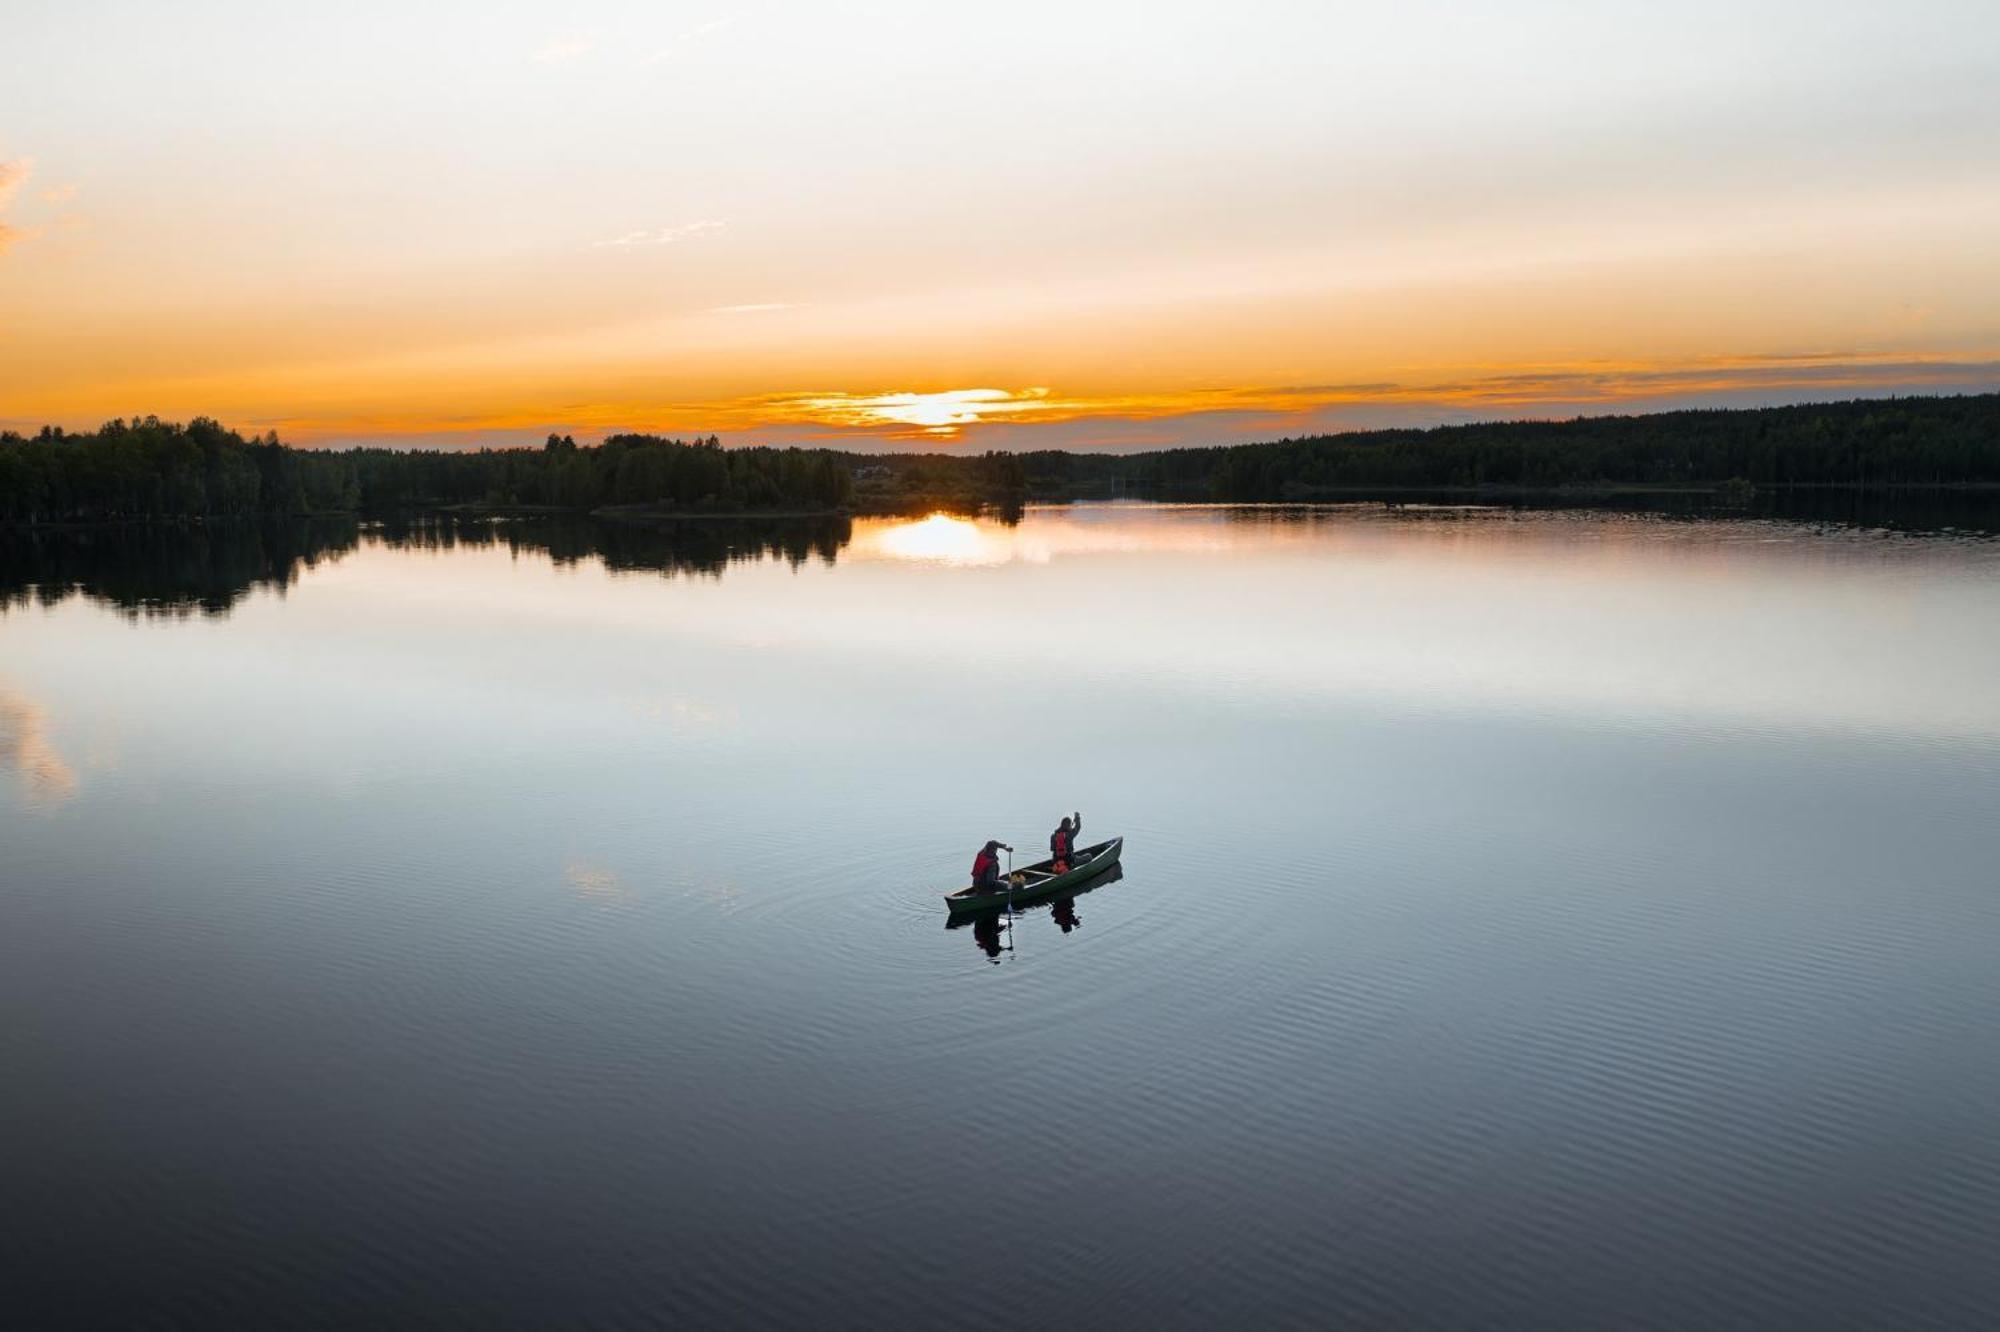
(1010, 899)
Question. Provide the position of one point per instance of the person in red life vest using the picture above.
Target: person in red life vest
(986, 867)
(1063, 841)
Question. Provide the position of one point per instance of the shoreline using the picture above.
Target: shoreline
(919, 505)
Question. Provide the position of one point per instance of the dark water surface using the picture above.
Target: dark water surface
(1536, 920)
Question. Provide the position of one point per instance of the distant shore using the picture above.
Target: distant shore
(897, 507)
(1913, 446)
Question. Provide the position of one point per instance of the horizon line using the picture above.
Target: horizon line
(25, 433)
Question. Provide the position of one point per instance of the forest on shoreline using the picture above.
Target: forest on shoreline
(150, 469)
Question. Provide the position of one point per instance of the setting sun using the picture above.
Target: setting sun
(942, 415)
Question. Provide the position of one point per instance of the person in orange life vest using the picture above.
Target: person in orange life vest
(1063, 841)
(986, 867)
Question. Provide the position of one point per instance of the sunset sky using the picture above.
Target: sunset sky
(987, 226)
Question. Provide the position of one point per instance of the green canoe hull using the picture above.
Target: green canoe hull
(1089, 862)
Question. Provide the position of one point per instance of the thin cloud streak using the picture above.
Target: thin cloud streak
(662, 235)
(694, 34)
(755, 307)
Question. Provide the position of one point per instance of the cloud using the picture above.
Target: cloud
(570, 47)
(13, 175)
(755, 307)
(693, 34)
(662, 235)
(942, 414)
(1612, 384)
(57, 194)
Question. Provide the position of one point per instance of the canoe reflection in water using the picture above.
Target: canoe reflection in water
(989, 928)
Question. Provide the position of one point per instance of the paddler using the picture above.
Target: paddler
(1062, 842)
(986, 867)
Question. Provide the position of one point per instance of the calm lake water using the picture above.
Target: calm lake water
(1537, 920)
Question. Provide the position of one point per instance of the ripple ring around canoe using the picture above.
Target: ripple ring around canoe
(1040, 878)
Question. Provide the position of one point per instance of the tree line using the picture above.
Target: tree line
(154, 469)
(1883, 442)
(1894, 442)
(150, 468)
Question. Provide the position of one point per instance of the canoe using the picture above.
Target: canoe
(1076, 892)
(1040, 879)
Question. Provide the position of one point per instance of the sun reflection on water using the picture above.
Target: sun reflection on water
(940, 539)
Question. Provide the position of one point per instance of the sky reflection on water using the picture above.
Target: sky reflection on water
(1514, 907)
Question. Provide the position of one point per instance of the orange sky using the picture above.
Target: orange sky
(1021, 226)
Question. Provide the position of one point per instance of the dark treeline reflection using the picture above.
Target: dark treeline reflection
(1894, 510)
(1889, 510)
(206, 568)
(694, 546)
(183, 569)
(171, 569)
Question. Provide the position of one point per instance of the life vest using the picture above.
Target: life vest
(983, 862)
(1059, 844)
